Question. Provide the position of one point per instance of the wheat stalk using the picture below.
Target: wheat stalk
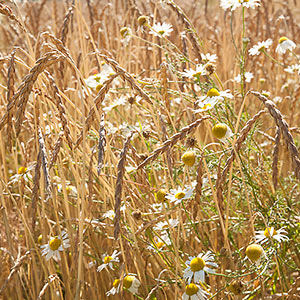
(101, 144)
(172, 141)
(118, 191)
(275, 158)
(282, 124)
(99, 98)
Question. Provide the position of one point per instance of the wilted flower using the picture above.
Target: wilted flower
(284, 44)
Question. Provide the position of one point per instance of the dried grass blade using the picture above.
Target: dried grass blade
(101, 144)
(35, 190)
(275, 158)
(9, 96)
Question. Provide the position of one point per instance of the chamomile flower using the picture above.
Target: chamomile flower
(56, 244)
(284, 44)
(130, 282)
(23, 173)
(159, 242)
(164, 225)
(178, 195)
(194, 292)
(248, 77)
(269, 233)
(261, 46)
(254, 252)
(293, 69)
(161, 30)
(209, 58)
(195, 74)
(212, 97)
(197, 266)
(234, 4)
(109, 260)
(122, 100)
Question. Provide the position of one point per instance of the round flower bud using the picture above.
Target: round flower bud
(189, 158)
(254, 252)
(142, 20)
(161, 195)
(219, 130)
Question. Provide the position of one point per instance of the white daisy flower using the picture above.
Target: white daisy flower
(177, 196)
(130, 282)
(56, 244)
(285, 44)
(209, 58)
(122, 100)
(160, 30)
(109, 260)
(212, 97)
(234, 4)
(195, 74)
(293, 69)
(257, 49)
(23, 173)
(159, 242)
(70, 189)
(248, 77)
(269, 233)
(194, 292)
(197, 266)
(163, 226)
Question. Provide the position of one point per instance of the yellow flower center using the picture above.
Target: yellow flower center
(179, 195)
(189, 158)
(124, 31)
(97, 77)
(54, 244)
(128, 280)
(282, 39)
(242, 1)
(99, 87)
(68, 190)
(107, 259)
(116, 283)
(161, 32)
(197, 264)
(159, 245)
(267, 232)
(213, 93)
(219, 130)
(40, 239)
(254, 252)
(161, 195)
(22, 170)
(191, 289)
(206, 106)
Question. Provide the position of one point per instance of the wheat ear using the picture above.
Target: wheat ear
(118, 192)
(282, 124)
(172, 141)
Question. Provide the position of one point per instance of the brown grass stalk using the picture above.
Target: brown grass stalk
(35, 190)
(5, 10)
(65, 27)
(56, 150)
(101, 144)
(172, 141)
(275, 158)
(282, 124)
(118, 191)
(44, 158)
(9, 96)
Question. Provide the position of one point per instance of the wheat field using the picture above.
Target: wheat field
(150, 149)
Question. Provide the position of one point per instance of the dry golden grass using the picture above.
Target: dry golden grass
(70, 153)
